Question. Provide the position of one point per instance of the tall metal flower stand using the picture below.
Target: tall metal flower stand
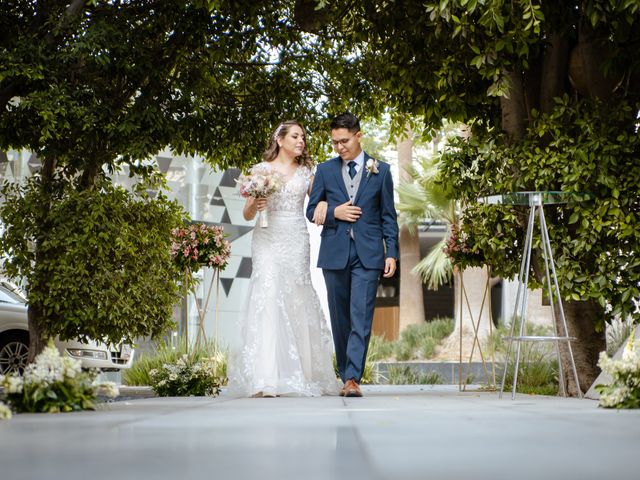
(464, 369)
(536, 202)
(202, 308)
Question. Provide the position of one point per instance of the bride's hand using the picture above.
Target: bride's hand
(320, 213)
(260, 204)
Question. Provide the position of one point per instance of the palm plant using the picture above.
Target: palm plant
(424, 199)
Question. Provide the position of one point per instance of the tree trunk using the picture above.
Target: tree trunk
(514, 113)
(554, 71)
(411, 293)
(35, 315)
(37, 340)
(586, 66)
(581, 318)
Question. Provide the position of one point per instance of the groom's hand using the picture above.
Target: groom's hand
(389, 267)
(347, 212)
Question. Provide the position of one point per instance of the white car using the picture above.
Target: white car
(14, 340)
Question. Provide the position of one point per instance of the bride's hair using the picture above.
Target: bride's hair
(273, 148)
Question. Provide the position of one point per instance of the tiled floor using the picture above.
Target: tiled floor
(394, 432)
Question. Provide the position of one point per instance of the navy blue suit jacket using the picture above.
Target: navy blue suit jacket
(375, 232)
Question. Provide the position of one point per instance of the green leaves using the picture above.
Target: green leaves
(590, 148)
(98, 266)
(127, 79)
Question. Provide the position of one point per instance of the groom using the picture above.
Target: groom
(359, 241)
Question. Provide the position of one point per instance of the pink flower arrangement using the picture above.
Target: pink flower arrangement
(460, 248)
(199, 244)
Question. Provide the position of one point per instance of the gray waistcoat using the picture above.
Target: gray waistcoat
(352, 185)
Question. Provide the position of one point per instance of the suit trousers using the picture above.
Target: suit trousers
(351, 296)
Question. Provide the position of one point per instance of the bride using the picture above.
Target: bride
(286, 346)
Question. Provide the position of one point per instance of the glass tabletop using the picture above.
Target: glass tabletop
(535, 198)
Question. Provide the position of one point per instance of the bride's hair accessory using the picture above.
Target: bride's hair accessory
(278, 131)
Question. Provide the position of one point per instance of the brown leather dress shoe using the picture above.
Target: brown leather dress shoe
(352, 389)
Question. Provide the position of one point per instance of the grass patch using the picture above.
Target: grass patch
(538, 370)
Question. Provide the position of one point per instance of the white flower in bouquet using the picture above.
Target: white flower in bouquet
(5, 412)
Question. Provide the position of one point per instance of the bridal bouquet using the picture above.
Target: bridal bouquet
(260, 183)
(200, 244)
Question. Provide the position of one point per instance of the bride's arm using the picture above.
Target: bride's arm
(253, 206)
(320, 212)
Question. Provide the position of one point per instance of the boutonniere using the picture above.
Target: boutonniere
(371, 166)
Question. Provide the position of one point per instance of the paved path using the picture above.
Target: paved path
(394, 432)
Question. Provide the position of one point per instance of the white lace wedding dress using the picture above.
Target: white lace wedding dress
(286, 346)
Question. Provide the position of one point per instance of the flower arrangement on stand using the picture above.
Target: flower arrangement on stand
(51, 384)
(193, 247)
(260, 182)
(459, 248)
(624, 391)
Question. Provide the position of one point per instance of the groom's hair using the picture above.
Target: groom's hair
(346, 120)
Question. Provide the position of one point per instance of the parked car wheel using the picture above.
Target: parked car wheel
(14, 352)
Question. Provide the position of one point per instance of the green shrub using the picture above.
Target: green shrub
(439, 328)
(420, 341)
(102, 269)
(404, 350)
(405, 375)
(379, 349)
(428, 347)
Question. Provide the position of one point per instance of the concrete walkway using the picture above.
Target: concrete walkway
(394, 432)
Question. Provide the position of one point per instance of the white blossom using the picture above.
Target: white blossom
(109, 389)
(5, 412)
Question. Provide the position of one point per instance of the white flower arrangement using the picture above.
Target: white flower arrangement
(372, 166)
(53, 383)
(624, 391)
(187, 377)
